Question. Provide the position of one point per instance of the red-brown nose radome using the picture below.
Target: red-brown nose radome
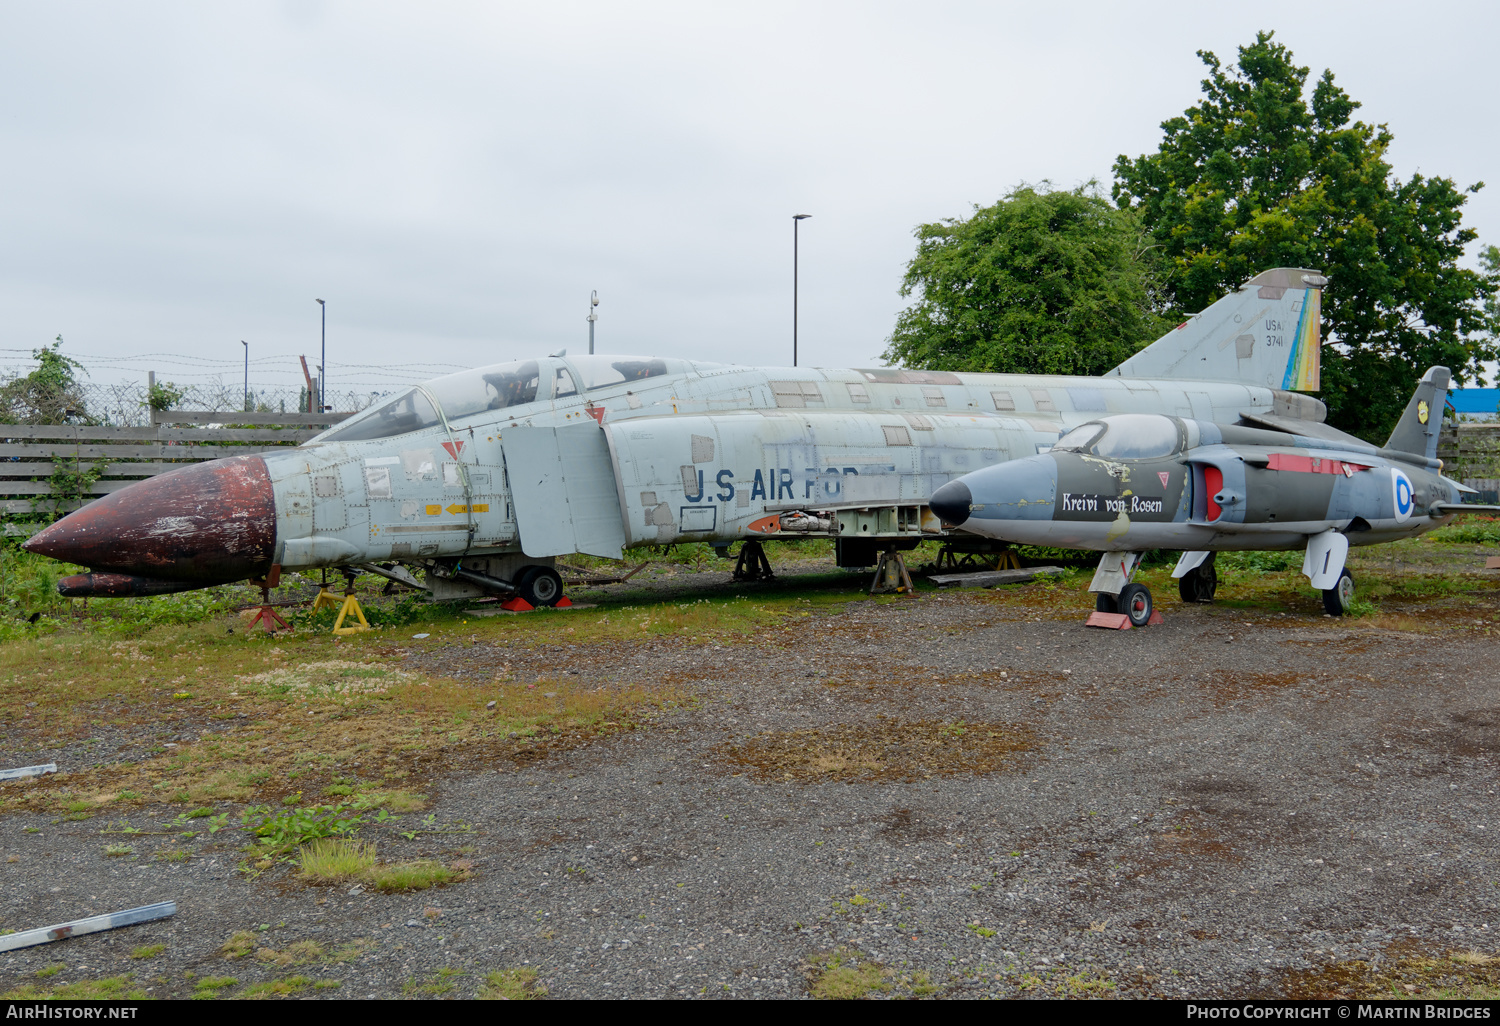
(211, 522)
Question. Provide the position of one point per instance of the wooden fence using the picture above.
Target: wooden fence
(37, 462)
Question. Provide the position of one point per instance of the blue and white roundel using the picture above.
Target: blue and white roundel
(1401, 493)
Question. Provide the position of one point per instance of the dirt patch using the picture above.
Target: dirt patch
(1455, 975)
(887, 750)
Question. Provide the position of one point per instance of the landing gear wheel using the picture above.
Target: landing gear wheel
(1199, 584)
(540, 586)
(1135, 602)
(1336, 600)
(1105, 603)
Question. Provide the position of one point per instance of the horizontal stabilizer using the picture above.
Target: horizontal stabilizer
(1267, 333)
(1417, 430)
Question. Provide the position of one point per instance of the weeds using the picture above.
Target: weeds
(846, 975)
(148, 951)
(511, 985)
(239, 944)
(277, 988)
(111, 988)
(333, 860)
(208, 987)
(286, 828)
(412, 876)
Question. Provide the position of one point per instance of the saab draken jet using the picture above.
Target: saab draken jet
(477, 481)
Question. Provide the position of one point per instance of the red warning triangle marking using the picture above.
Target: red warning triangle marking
(1164, 475)
(452, 451)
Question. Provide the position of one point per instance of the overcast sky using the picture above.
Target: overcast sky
(454, 178)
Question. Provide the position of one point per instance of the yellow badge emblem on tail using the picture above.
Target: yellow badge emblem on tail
(1422, 411)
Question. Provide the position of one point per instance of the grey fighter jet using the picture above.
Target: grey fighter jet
(1130, 483)
(473, 484)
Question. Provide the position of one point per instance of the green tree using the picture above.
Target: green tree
(1255, 176)
(49, 394)
(1043, 282)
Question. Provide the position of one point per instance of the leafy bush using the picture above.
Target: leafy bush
(288, 827)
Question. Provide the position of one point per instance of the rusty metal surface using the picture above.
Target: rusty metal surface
(108, 585)
(207, 523)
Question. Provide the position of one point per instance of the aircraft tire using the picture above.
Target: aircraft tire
(1199, 584)
(1135, 602)
(540, 586)
(1336, 600)
(1105, 603)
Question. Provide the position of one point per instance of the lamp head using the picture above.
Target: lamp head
(800, 217)
(319, 302)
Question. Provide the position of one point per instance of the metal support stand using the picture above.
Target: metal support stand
(267, 616)
(951, 561)
(752, 564)
(891, 575)
(351, 605)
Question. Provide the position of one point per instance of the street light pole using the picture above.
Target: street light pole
(323, 359)
(796, 223)
(247, 374)
(593, 316)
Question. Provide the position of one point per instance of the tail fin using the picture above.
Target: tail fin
(1267, 334)
(1417, 430)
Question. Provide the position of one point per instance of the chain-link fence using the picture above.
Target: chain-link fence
(126, 406)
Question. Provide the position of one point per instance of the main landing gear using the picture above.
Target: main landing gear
(1199, 583)
(1336, 600)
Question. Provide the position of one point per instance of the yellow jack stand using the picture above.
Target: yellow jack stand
(351, 605)
(324, 598)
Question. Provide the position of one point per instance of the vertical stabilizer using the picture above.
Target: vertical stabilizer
(1267, 333)
(1417, 430)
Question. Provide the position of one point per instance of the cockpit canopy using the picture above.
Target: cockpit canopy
(1126, 436)
(497, 387)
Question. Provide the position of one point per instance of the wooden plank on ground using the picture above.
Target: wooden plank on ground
(991, 578)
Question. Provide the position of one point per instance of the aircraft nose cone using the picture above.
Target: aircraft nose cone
(951, 502)
(210, 523)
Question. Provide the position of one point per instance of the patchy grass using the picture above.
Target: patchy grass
(296, 953)
(276, 988)
(511, 985)
(412, 876)
(395, 802)
(308, 712)
(436, 985)
(888, 749)
(239, 944)
(1456, 976)
(335, 859)
(207, 988)
(111, 988)
(148, 951)
(845, 975)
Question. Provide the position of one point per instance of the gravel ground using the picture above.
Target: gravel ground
(997, 797)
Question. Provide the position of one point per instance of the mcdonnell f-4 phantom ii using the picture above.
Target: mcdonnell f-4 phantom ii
(1134, 482)
(479, 480)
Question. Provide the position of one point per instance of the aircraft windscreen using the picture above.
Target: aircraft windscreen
(462, 395)
(601, 371)
(1080, 438)
(1138, 436)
